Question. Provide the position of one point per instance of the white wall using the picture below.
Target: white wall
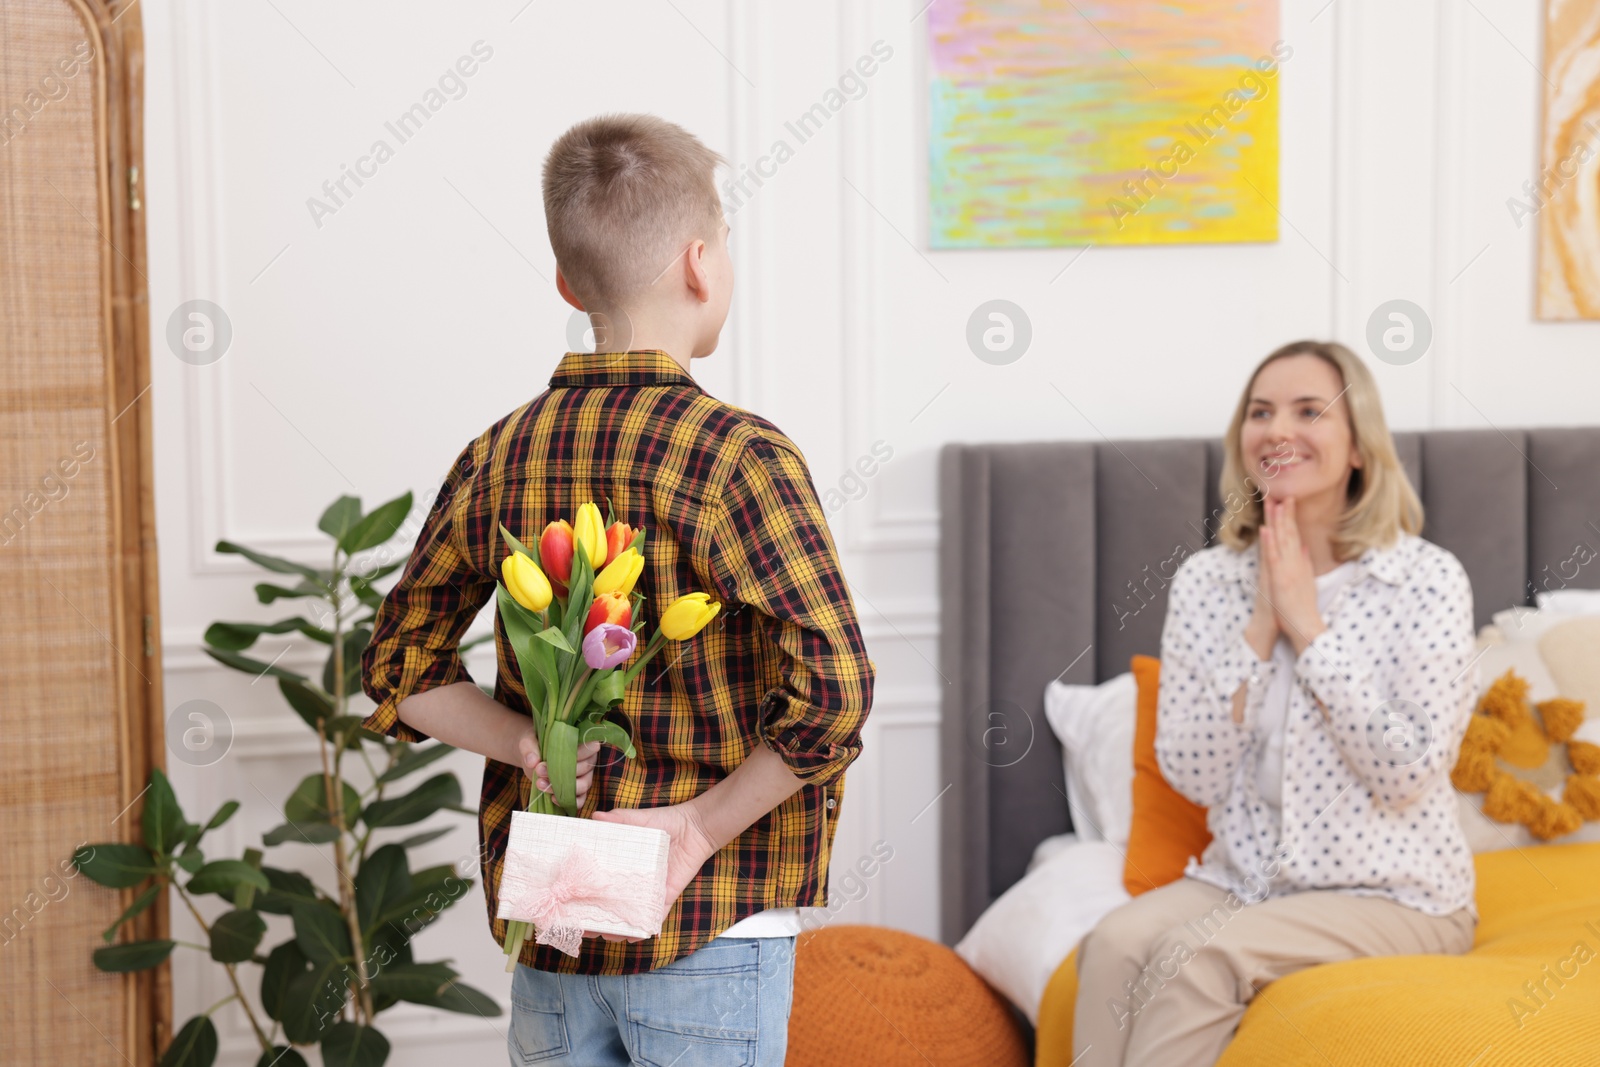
(368, 349)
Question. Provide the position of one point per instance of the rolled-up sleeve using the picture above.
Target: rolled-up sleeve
(417, 630)
(770, 550)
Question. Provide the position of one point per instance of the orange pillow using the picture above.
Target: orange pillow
(1167, 828)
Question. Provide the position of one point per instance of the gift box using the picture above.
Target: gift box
(566, 875)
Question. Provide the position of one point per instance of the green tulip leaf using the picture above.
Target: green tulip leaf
(557, 638)
(609, 689)
(561, 757)
(515, 545)
(195, 1045)
(132, 955)
(608, 733)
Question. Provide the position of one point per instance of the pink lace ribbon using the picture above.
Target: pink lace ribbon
(528, 893)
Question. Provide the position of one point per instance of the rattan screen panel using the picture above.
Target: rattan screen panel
(79, 683)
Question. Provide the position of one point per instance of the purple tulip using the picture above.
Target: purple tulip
(608, 645)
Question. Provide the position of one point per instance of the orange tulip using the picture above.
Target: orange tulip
(609, 607)
(618, 537)
(555, 552)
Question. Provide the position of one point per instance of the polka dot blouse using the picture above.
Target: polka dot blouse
(1379, 705)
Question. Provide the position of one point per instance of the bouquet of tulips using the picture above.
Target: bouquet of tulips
(573, 617)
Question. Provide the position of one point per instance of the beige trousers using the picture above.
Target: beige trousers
(1165, 978)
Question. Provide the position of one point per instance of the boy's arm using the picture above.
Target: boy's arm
(770, 551)
(412, 667)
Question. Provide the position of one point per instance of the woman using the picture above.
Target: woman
(1316, 680)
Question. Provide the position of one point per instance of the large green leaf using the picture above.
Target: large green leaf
(561, 757)
(276, 564)
(413, 807)
(251, 666)
(414, 760)
(353, 1045)
(132, 955)
(287, 888)
(384, 879)
(340, 516)
(281, 1056)
(267, 592)
(433, 889)
(284, 964)
(460, 997)
(116, 866)
(308, 702)
(301, 833)
(140, 903)
(321, 933)
(420, 983)
(223, 814)
(234, 636)
(416, 840)
(313, 1000)
(224, 876)
(235, 935)
(309, 802)
(164, 823)
(377, 526)
(195, 1045)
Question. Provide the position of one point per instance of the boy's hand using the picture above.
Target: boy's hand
(691, 846)
(539, 771)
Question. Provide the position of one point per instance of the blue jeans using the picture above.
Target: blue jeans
(727, 1004)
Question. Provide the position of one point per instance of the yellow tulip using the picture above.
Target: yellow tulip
(589, 530)
(525, 582)
(620, 574)
(687, 616)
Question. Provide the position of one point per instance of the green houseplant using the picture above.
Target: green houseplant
(349, 955)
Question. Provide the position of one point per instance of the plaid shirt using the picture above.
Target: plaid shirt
(731, 510)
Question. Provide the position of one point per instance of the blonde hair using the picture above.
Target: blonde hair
(1379, 499)
(623, 195)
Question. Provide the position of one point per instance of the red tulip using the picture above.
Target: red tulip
(609, 607)
(618, 537)
(555, 553)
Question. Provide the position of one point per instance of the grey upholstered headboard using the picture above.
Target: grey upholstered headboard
(1053, 560)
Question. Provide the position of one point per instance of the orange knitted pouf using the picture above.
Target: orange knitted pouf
(872, 995)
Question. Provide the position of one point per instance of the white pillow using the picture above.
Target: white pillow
(1094, 724)
(1569, 601)
(1020, 940)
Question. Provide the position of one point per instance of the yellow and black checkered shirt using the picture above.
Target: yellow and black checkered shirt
(730, 509)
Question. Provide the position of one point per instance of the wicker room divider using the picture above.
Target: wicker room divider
(80, 681)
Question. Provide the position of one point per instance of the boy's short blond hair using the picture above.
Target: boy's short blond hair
(623, 196)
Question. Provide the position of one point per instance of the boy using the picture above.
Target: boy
(743, 738)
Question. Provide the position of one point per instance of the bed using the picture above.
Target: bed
(1050, 568)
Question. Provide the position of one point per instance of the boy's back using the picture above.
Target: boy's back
(729, 508)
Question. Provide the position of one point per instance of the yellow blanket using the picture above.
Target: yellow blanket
(1528, 993)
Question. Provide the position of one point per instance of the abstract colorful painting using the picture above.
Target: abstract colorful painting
(1567, 197)
(1074, 122)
